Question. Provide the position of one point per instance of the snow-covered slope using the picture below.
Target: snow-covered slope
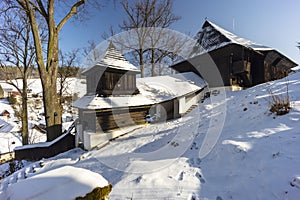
(256, 155)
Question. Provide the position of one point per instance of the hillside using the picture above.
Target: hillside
(256, 155)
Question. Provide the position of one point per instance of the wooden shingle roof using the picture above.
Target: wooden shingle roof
(113, 59)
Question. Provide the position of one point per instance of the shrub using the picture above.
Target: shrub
(13, 99)
(97, 194)
(280, 104)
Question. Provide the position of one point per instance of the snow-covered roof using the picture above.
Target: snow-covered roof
(212, 36)
(232, 38)
(5, 127)
(152, 90)
(7, 87)
(113, 58)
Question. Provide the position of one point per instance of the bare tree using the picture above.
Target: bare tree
(54, 14)
(68, 67)
(140, 16)
(16, 57)
(91, 53)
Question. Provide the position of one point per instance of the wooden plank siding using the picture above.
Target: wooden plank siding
(123, 117)
(118, 118)
(110, 82)
(229, 60)
(92, 78)
(117, 83)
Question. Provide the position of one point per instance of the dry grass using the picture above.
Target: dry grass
(280, 104)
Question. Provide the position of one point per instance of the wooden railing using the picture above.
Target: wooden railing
(38, 151)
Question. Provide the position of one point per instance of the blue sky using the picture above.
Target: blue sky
(275, 23)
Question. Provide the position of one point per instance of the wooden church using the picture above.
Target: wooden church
(112, 80)
(115, 98)
(241, 62)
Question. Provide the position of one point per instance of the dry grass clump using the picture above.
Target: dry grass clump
(280, 104)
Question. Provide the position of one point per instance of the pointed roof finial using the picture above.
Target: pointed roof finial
(111, 44)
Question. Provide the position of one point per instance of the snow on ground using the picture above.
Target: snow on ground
(10, 137)
(256, 155)
(8, 141)
(35, 85)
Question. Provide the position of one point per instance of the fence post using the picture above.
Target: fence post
(78, 135)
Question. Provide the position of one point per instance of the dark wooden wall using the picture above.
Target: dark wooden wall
(117, 82)
(235, 63)
(118, 118)
(217, 66)
(257, 69)
(109, 119)
(92, 78)
(106, 82)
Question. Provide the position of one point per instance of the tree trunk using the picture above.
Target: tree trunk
(52, 108)
(152, 62)
(24, 113)
(51, 99)
(141, 54)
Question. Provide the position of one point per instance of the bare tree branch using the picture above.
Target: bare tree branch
(72, 12)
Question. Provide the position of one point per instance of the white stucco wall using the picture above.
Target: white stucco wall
(185, 104)
(92, 139)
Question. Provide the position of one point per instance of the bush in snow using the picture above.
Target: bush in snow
(98, 193)
(280, 104)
